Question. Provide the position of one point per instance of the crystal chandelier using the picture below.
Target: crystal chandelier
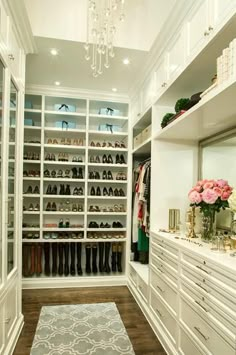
(102, 17)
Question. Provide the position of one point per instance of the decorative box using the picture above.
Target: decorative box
(109, 111)
(65, 124)
(28, 122)
(64, 107)
(109, 127)
(146, 133)
(137, 140)
(28, 104)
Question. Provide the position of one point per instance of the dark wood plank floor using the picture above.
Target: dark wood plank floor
(141, 335)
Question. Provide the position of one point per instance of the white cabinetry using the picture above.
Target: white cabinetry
(161, 75)
(13, 51)
(147, 93)
(176, 55)
(221, 11)
(197, 28)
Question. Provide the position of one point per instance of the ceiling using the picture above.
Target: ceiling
(62, 25)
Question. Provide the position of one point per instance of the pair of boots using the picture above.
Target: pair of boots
(116, 257)
(88, 267)
(60, 259)
(32, 259)
(104, 256)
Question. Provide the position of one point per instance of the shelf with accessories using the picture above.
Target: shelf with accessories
(62, 150)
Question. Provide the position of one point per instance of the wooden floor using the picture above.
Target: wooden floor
(140, 333)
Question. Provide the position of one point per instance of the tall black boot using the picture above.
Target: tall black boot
(47, 259)
(106, 259)
(114, 257)
(88, 259)
(66, 268)
(61, 254)
(79, 256)
(39, 259)
(72, 259)
(54, 259)
(94, 258)
(32, 259)
(101, 254)
(119, 256)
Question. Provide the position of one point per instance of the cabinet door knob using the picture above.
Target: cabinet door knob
(206, 33)
(11, 56)
(7, 320)
(210, 28)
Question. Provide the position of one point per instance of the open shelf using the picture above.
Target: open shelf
(141, 269)
(144, 148)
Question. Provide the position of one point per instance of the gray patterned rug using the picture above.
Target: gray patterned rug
(88, 329)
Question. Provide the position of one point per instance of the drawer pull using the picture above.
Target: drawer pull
(158, 287)
(7, 320)
(199, 331)
(160, 269)
(157, 310)
(160, 257)
(203, 288)
(204, 308)
(199, 267)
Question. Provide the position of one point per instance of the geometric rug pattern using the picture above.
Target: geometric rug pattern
(83, 329)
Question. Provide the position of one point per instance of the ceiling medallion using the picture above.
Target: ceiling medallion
(102, 19)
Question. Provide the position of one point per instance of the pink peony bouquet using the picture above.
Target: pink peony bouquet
(210, 195)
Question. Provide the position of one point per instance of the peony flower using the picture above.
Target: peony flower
(201, 182)
(221, 182)
(209, 196)
(208, 185)
(232, 201)
(194, 197)
(225, 195)
(227, 188)
(218, 191)
(197, 188)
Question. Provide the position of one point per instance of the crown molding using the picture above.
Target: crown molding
(168, 30)
(17, 11)
(77, 93)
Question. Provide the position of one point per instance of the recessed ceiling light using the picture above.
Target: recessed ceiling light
(57, 83)
(54, 51)
(114, 89)
(126, 61)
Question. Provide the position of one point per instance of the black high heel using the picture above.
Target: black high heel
(104, 175)
(109, 175)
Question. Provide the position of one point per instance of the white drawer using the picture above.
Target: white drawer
(164, 263)
(207, 288)
(186, 345)
(133, 275)
(10, 310)
(164, 316)
(143, 289)
(213, 342)
(218, 318)
(218, 274)
(167, 293)
(164, 246)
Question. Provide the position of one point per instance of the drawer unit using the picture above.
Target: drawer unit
(220, 275)
(208, 336)
(167, 293)
(186, 345)
(216, 316)
(206, 287)
(143, 289)
(133, 276)
(165, 259)
(164, 245)
(161, 267)
(164, 316)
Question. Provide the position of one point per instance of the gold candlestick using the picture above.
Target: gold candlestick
(190, 222)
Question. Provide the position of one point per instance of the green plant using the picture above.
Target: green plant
(180, 104)
(166, 119)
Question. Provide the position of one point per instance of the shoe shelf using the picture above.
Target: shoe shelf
(26, 178)
(105, 133)
(64, 131)
(32, 144)
(30, 229)
(106, 229)
(98, 213)
(25, 161)
(32, 110)
(32, 128)
(101, 181)
(100, 240)
(62, 213)
(118, 166)
(107, 149)
(67, 197)
(63, 179)
(31, 212)
(121, 118)
(67, 113)
(94, 197)
(31, 195)
(57, 229)
(62, 163)
(66, 147)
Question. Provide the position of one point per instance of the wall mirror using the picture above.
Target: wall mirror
(218, 161)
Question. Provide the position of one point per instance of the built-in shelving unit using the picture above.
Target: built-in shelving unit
(69, 146)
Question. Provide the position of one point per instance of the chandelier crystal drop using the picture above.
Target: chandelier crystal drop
(102, 19)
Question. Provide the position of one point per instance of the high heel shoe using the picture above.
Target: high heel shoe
(49, 190)
(104, 159)
(62, 189)
(97, 175)
(110, 192)
(104, 175)
(105, 192)
(98, 191)
(117, 159)
(109, 175)
(48, 207)
(67, 191)
(80, 175)
(54, 190)
(122, 159)
(74, 173)
(92, 191)
(109, 159)
(29, 190)
(36, 190)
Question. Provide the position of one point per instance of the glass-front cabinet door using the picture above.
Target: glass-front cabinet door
(1, 172)
(11, 237)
